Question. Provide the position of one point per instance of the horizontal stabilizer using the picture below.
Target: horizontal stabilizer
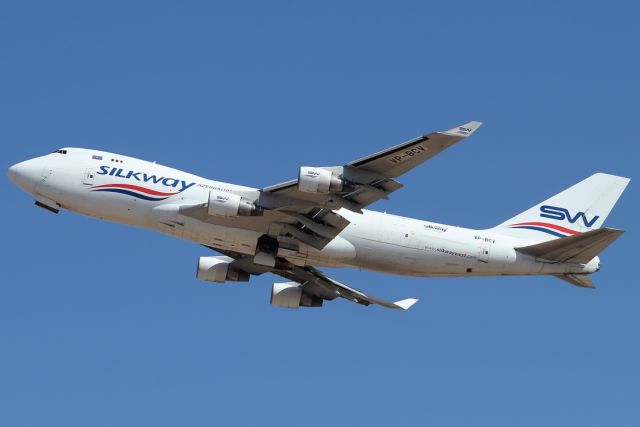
(580, 280)
(580, 248)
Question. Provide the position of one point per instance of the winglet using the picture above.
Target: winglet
(464, 130)
(405, 304)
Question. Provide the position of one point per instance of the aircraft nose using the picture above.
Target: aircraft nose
(27, 174)
(11, 173)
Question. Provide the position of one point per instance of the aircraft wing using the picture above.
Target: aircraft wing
(370, 178)
(306, 210)
(313, 282)
(316, 283)
(400, 159)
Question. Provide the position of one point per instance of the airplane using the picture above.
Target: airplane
(319, 220)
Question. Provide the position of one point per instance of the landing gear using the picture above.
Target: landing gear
(266, 251)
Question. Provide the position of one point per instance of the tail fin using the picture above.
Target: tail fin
(580, 208)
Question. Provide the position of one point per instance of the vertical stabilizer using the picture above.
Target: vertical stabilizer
(580, 208)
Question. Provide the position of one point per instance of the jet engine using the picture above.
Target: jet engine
(229, 204)
(317, 180)
(218, 269)
(291, 295)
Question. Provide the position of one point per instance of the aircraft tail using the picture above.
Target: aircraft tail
(578, 209)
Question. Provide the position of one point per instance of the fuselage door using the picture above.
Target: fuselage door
(483, 253)
(88, 176)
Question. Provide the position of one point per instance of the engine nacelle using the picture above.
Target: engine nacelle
(317, 180)
(229, 204)
(218, 269)
(291, 295)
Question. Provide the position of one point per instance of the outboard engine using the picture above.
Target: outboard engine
(318, 180)
(291, 295)
(218, 269)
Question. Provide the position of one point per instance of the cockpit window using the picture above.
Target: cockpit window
(61, 151)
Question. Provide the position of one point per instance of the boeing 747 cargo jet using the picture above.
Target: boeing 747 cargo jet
(320, 220)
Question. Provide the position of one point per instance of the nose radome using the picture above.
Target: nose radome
(11, 173)
(27, 174)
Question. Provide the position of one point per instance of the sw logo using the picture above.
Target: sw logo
(561, 214)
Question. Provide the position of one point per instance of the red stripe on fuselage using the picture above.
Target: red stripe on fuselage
(546, 224)
(136, 188)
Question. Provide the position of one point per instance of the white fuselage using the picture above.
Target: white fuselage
(103, 185)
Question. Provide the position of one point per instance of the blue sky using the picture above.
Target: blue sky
(101, 324)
